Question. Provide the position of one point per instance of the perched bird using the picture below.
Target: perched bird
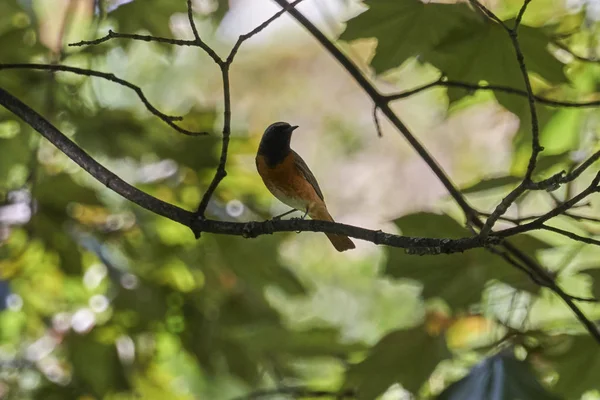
(289, 179)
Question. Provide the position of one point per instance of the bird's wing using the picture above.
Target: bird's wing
(303, 168)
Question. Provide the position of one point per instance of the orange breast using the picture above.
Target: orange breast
(287, 183)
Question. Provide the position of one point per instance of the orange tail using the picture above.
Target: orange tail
(340, 242)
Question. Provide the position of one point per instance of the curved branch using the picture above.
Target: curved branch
(143, 38)
(414, 245)
(85, 161)
(495, 88)
(110, 77)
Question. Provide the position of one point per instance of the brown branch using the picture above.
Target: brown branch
(144, 38)
(560, 209)
(536, 148)
(414, 245)
(168, 119)
(198, 40)
(221, 171)
(570, 235)
(259, 29)
(103, 175)
(442, 82)
(376, 121)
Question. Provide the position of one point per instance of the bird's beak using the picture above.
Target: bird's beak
(293, 128)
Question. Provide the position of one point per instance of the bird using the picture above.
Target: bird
(289, 179)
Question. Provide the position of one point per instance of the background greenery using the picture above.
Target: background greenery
(103, 300)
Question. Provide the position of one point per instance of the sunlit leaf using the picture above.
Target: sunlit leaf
(405, 28)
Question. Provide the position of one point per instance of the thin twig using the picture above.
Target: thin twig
(536, 148)
(560, 209)
(110, 77)
(197, 39)
(571, 235)
(520, 15)
(489, 14)
(221, 171)
(376, 121)
(494, 88)
(258, 29)
(131, 36)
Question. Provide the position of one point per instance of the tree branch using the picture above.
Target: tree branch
(98, 171)
(221, 171)
(131, 36)
(495, 88)
(168, 119)
(536, 148)
(414, 245)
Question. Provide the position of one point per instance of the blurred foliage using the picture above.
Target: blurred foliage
(102, 300)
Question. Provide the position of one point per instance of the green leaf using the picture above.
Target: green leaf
(460, 278)
(491, 183)
(119, 134)
(577, 362)
(405, 28)
(150, 15)
(500, 377)
(484, 52)
(310, 343)
(594, 273)
(407, 357)
(96, 366)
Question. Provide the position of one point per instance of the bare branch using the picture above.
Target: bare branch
(258, 29)
(489, 14)
(536, 148)
(520, 15)
(414, 245)
(494, 88)
(376, 121)
(560, 209)
(75, 153)
(197, 39)
(570, 235)
(144, 38)
(221, 171)
(110, 77)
